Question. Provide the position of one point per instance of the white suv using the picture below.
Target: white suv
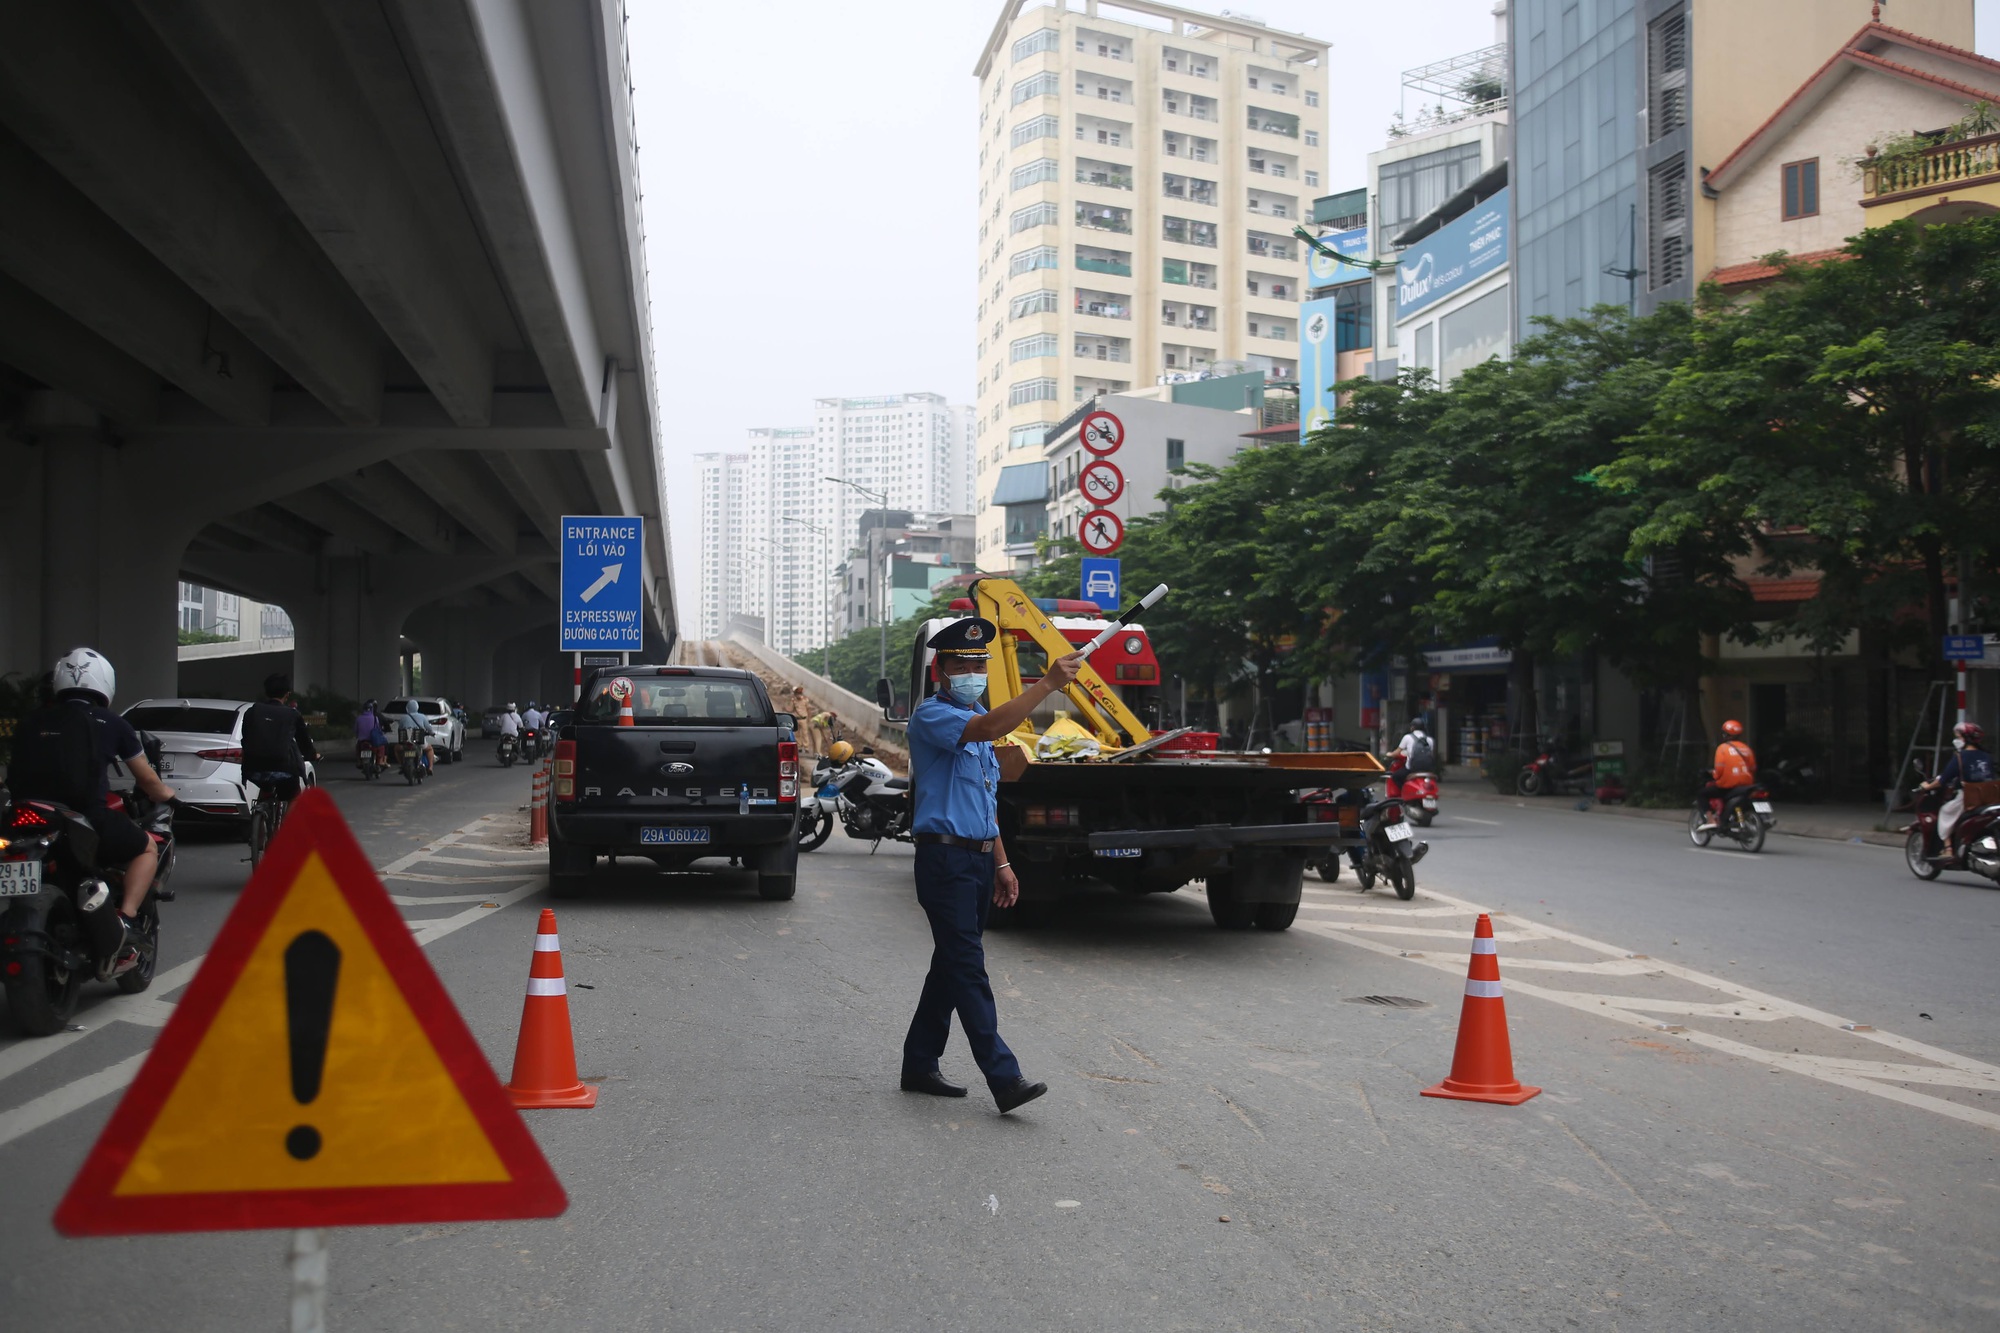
(447, 732)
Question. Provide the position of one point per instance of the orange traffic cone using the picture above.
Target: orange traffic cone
(621, 690)
(1482, 1068)
(545, 1056)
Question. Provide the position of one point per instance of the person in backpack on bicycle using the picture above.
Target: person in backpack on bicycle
(62, 753)
(1735, 773)
(277, 743)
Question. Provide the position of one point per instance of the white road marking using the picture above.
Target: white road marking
(149, 1010)
(1468, 819)
(1877, 1078)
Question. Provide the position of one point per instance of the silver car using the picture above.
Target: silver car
(447, 730)
(201, 755)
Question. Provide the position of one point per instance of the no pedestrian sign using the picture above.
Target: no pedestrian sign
(601, 594)
(1100, 531)
(316, 1074)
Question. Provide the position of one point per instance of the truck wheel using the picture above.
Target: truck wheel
(777, 888)
(1276, 916)
(569, 868)
(1223, 905)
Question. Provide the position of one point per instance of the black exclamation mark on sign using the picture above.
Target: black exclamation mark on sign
(312, 969)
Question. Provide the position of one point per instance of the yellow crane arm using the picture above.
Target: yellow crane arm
(1002, 602)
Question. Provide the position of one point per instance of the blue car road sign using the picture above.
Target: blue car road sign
(602, 598)
(1101, 577)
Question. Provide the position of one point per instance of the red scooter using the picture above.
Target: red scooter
(1419, 794)
(1976, 837)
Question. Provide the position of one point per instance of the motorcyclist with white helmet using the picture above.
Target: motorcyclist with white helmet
(57, 759)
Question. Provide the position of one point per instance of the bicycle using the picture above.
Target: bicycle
(267, 815)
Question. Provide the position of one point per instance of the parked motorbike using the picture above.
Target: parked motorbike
(1743, 817)
(818, 810)
(370, 759)
(1554, 773)
(1419, 794)
(510, 750)
(872, 802)
(1977, 836)
(1387, 847)
(60, 924)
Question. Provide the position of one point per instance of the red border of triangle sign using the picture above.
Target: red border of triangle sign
(156, 1166)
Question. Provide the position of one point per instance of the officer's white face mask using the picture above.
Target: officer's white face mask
(967, 688)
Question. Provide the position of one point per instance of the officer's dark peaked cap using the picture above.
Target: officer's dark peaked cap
(967, 638)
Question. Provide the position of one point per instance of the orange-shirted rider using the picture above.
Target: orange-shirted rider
(1734, 774)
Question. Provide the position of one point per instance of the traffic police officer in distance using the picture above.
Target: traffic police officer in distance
(961, 865)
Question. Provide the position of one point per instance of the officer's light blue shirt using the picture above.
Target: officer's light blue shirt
(957, 782)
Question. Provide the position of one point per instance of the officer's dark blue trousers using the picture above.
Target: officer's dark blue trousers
(955, 887)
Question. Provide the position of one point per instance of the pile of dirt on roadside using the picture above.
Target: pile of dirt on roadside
(781, 694)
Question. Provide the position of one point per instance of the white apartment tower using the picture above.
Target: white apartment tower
(1139, 179)
(774, 527)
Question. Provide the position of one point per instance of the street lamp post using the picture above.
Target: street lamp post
(882, 658)
(825, 606)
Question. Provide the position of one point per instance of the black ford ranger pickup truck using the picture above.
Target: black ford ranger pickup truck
(675, 764)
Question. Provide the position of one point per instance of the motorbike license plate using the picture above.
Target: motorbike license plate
(1430, 802)
(674, 834)
(1398, 832)
(20, 879)
(1120, 851)
(1761, 807)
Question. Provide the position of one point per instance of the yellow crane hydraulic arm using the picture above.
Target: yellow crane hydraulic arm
(1002, 602)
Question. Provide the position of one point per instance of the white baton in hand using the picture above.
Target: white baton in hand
(1112, 629)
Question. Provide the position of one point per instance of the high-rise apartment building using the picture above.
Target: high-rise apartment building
(725, 587)
(1141, 169)
(774, 527)
(1619, 107)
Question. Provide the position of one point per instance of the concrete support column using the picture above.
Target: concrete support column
(348, 638)
(108, 563)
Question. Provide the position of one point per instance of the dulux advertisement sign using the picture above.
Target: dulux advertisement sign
(1453, 257)
(1323, 271)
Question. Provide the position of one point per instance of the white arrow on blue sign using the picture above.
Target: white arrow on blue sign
(602, 600)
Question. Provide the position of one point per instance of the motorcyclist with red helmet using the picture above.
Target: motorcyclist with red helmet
(1735, 773)
(1969, 763)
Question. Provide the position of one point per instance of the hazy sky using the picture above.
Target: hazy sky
(811, 201)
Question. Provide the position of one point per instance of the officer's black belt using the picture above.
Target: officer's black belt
(953, 840)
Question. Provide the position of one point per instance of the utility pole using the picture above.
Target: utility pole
(882, 500)
(1631, 271)
(825, 607)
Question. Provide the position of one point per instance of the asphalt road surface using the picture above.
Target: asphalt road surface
(1233, 1137)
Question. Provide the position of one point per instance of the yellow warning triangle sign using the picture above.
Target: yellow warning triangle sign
(315, 1074)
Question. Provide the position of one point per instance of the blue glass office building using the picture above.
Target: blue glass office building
(1576, 98)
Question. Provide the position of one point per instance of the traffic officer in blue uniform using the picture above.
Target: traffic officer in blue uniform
(962, 868)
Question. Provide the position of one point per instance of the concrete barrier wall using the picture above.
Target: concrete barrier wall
(858, 716)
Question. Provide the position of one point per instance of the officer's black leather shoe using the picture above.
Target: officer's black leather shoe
(1018, 1093)
(933, 1082)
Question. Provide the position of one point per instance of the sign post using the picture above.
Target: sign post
(602, 598)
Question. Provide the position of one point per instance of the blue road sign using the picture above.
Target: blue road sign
(1964, 647)
(602, 598)
(1101, 579)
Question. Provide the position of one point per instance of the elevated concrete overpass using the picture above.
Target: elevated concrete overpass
(335, 305)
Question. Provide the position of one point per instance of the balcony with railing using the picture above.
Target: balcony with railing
(1274, 165)
(1270, 247)
(1092, 386)
(1274, 122)
(1180, 357)
(1104, 89)
(1270, 286)
(1274, 205)
(1103, 305)
(1963, 165)
(1187, 63)
(1187, 315)
(1187, 273)
(1188, 231)
(1107, 175)
(1091, 347)
(1190, 146)
(1092, 259)
(1192, 105)
(1105, 132)
(1187, 189)
(1103, 217)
